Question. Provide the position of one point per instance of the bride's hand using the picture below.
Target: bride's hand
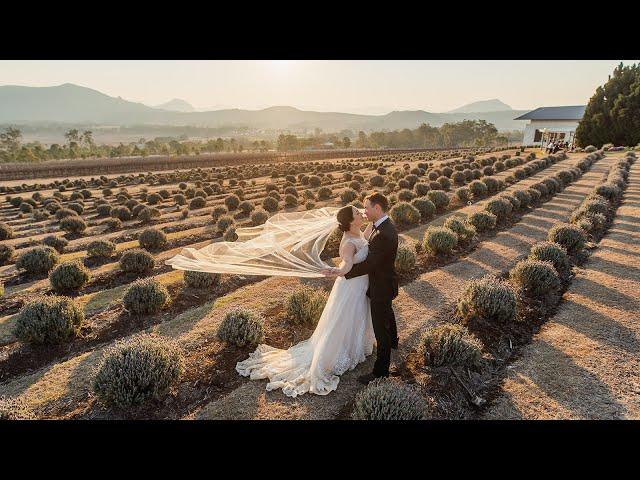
(339, 272)
(329, 272)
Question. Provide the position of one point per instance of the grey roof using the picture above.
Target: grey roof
(574, 112)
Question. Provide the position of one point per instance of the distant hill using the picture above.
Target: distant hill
(176, 105)
(70, 103)
(64, 103)
(493, 105)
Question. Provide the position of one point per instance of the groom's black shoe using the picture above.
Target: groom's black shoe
(394, 372)
(365, 379)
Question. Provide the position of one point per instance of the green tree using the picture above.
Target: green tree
(362, 140)
(429, 136)
(72, 136)
(10, 141)
(11, 138)
(25, 154)
(87, 139)
(502, 139)
(287, 143)
(613, 112)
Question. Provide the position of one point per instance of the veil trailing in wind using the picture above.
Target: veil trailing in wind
(287, 245)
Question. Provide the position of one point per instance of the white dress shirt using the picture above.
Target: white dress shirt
(380, 220)
(376, 224)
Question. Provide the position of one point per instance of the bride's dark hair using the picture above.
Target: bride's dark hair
(345, 217)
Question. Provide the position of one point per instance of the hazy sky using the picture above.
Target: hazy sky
(347, 86)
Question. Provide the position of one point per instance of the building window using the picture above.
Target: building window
(537, 136)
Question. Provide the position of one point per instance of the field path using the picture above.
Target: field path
(415, 307)
(585, 362)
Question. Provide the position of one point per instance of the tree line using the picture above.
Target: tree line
(81, 144)
(467, 133)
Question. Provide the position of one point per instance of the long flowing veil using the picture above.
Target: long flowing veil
(287, 244)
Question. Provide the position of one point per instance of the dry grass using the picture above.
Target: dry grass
(585, 363)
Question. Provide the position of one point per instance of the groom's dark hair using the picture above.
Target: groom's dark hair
(376, 198)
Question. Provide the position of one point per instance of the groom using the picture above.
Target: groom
(383, 282)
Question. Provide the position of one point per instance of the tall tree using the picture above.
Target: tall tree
(87, 138)
(10, 141)
(362, 140)
(613, 112)
(429, 136)
(72, 136)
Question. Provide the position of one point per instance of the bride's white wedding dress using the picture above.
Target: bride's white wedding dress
(342, 339)
(291, 244)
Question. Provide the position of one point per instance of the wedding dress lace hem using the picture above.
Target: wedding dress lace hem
(265, 360)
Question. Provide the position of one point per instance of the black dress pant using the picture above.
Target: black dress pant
(385, 330)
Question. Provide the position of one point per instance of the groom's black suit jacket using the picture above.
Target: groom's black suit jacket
(380, 263)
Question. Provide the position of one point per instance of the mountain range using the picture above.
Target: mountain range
(69, 103)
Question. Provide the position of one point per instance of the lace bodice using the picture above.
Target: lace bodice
(362, 248)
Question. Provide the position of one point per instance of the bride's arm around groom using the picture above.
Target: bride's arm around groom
(347, 253)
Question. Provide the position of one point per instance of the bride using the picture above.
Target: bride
(289, 244)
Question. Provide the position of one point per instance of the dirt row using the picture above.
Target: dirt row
(585, 362)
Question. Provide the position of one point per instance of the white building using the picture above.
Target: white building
(552, 123)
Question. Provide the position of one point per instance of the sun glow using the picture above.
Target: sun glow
(280, 66)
